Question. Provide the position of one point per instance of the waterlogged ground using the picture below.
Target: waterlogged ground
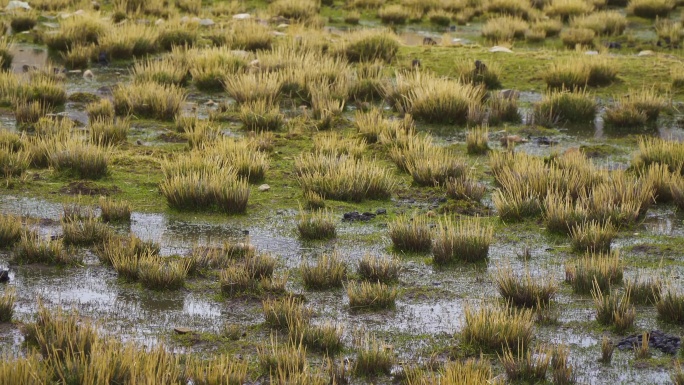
(430, 306)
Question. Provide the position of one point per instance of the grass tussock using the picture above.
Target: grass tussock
(371, 296)
(369, 46)
(494, 328)
(524, 289)
(604, 269)
(168, 72)
(102, 109)
(635, 110)
(467, 240)
(206, 190)
(604, 23)
(328, 272)
(76, 158)
(31, 248)
(343, 178)
(671, 306)
(84, 232)
(114, 211)
(565, 106)
(7, 304)
(149, 100)
(504, 29)
(465, 188)
(644, 291)
(477, 140)
(578, 37)
(157, 273)
(580, 72)
(612, 309)
(650, 9)
(437, 100)
(107, 132)
(373, 358)
(254, 87)
(383, 269)
(316, 225)
(411, 233)
(10, 230)
(526, 365)
(593, 237)
(261, 116)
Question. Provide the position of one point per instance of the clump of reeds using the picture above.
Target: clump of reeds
(28, 113)
(612, 23)
(109, 131)
(411, 233)
(158, 274)
(114, 211)
(438, 100)
(504, 29)
(10, 230)
(285, 313)
(286, 360)
(31, 248)
(383, 269)
(650, 9)
(260, 115)
(328, 272)
(394, 14)
(84, 231)
(253, 87)
(603, 269)
(561, 213)
(662, 181)
(369, 46)
(23, 21)
(250, 36)
(7, 304)
(671, 306)
(335, 144)
(574, 37)
(635, 110)
(562, 370)
(646, 291)
(467, 240)
(203, 190)
(370, 295)
(83, 160)
(607, 348)
(77, 30)
(612, 309)
(373, 357)
(526, 365)
(503, 110)
(477, 141)
(165, 72)
(465, 187)
(479, 74)
(494, 328)
(677, 375)
(565, 106)
(592, 236)
(176, 34)
(565, 9)
(524, 290)
(77, 57)
(343, 178)
(149, 100)
(656, 150)
(127, 40)
(580, 72)
(102, 109)
(316, 225)
(24, 370)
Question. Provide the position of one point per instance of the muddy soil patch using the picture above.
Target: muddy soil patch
(87, 188)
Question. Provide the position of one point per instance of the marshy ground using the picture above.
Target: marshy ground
(179, 183)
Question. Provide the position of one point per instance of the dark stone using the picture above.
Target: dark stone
(480, 67)
(429, 41)
(381, 211)
(415, 63)
(614, 45)
(102, 59)
(4, 276)
(354, 216)
(452, 28)
(245, 232)
(543, 140)
(666, 343)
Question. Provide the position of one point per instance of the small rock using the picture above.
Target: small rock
(354, 216)
(381, 211)
(210, 103)
(159, 22)
(75, 71)
(51, 25)
(4, 276)
(264, 187)
(429, 41)
(591, 53)
(16, 5)
(512, 139)
(282, 26)
(139, 142)
(647, 52)
(88, 75)
(254, 63)
(96, 5)
(242, 16)
(430, 214)
(206, 22)
(498, 48)
(415, 63)
(180, 330)
(278, 33)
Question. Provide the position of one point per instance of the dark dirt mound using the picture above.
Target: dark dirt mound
(87, 188)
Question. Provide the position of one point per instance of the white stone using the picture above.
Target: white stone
(159, 21)
(88, 75)
(283, 26)
(591, 53)
(264, 187)
(498, 48)
(242, 16)
(16, 5)
(206, 22)
(647, 52)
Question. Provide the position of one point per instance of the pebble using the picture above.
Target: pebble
(4, 276)
(264, 187)
(647, 52)
(242, 16)
(591, 53)
(380, 211)
(210, 103)
(88, 75)
(180, 330)
(206, 22)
